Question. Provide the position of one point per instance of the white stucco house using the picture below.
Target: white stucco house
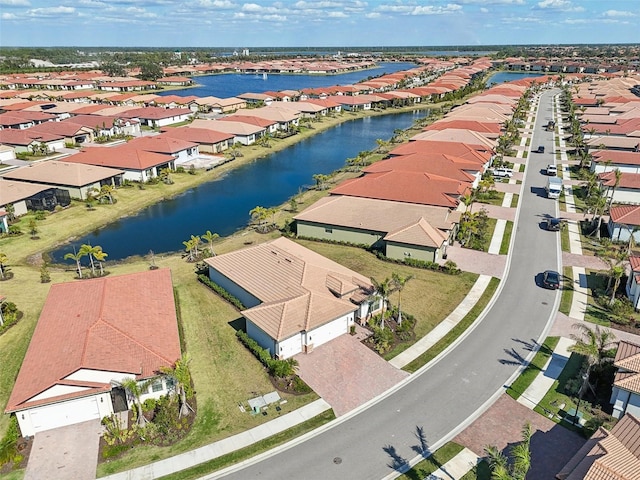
(90, 336)
(624, 221)
(625, 395)
(295, 299)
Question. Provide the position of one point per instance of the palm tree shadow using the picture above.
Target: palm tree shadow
(516, 358)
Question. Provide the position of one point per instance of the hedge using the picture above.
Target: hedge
(277, 368)
(221, 291)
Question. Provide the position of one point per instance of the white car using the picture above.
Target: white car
(501, 172)
(552, 170)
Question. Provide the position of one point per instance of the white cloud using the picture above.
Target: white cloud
(492, 2)
(225, 4)
(372, 15)
(8, 16)
(337, 15)
(484, 10)
(618, 13)
(563, 5)
(15, 3)
(436, 10)
(317, 5)
(50, 11)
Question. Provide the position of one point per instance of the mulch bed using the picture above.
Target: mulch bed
(24, 448)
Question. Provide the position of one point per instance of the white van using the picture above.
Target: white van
(554, 187)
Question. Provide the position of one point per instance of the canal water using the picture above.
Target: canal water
(501, 77)
(231, 84)
(223, 206)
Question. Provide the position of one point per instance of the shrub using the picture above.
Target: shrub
(9, 443)
(277, 368)
(14, 230)
(40, 214)
(221, 291)
(180, 169)
(382, 339)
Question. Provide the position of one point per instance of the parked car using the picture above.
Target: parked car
(540, 149)
(554, 224)
(501, 172)
(552, 170)
(551, 279)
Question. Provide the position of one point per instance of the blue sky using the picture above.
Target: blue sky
(333, 23)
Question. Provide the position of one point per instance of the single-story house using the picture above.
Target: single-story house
(28, 140)
(613, 455)
(72, 132)
(107, 126)
(157, 117)
(138, 165)
(7, 153)
(623, 220)
(181, 150)
(627, 190)
(286, 119)
(295, 299)
(611, 142)
(610, 160)
(269, 126)
(91, 335)
(75, 178)
(243, 133)
(30, 196)
(625, 395)
(209, 141)
(221, 105)
(399, 230)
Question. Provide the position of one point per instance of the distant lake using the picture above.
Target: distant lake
(227, 85)
(502, 77)
(223, 205)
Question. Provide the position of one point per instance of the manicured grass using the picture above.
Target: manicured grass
(523, 166)
(432, 463)
(528, 375)
(478, 472)
(514, 200)
(495, 199)
(455, 332)
(564, 240)
(252, 450)
(506, 238)
(567, 291)
(549, 406)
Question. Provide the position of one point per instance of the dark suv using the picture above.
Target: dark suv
(551, 280)
(540, 149)
(553, 224)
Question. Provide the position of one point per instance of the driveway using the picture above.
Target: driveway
(552, 446)
(65, 453)
(346, 373)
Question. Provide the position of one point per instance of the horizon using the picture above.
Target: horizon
(323, 24)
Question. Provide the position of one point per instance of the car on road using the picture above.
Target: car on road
(551, 279)
(540, 149)
(554, 224)
(552, 170)
(501, 172)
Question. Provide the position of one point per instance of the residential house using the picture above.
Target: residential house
(625, 395)
(76, 178)
(30, 141)
(461, 150)
(399, 230)
(624, 220)
(107, 126)
(156, 117)
(609, 160)
(270, 126)
(611, 142)
(92, 335)
(633, 282)
(221, 105)
(243, 133)
(286, 119)
(4, 225)
(209, 141)
(627, 189)
(73, 133)
(138, 165)
(21, 119)
(456, 135)
(295, 299)
(180, 150)
(611, 455)
(28, 196)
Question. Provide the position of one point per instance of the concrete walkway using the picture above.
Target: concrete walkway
(457, 467)
(214, 450)
(549, 374)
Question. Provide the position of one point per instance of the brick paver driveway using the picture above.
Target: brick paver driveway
(552, 446)
(347, 374)
(65, 453)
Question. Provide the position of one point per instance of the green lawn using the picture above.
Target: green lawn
(567, 291)
(527, 377)
(506, 238)
(458, 330)
(479, 472)
(514, 200)
(432, 463)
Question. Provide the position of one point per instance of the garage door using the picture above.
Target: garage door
(327, 332)
(65, 413)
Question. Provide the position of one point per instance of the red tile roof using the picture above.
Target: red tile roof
(122, 324)
(161, 144)
(617, 157)
(197, 135)
(124, 157)
(627, 180)
(626, 214)
(408, 187)
(438, 164)
(156, 113)
(451, 148)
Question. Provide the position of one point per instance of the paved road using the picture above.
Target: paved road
(443, 398)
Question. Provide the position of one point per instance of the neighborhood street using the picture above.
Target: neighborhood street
(435, 404)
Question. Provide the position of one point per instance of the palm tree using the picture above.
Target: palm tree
(135, 389)
(107, 191)
(596, 344)
(88, 250)
(399, 282)
(210, 237)
(77, 257)
(383, 289)
(260, 215)
(616, 184)
(516, 468)
(100, 256)
(181, 375)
